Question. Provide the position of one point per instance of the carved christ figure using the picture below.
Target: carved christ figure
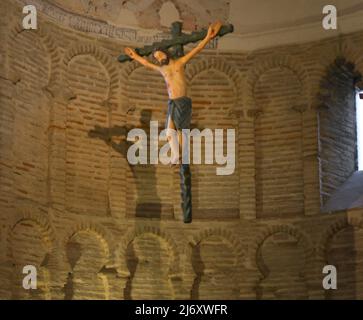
(179, 105)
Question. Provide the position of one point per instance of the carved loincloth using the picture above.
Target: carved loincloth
(180, 111)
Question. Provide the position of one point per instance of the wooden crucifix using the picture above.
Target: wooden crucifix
(171, 62)
(177, 42)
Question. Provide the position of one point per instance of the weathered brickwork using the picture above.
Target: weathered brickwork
(278, 134)
(151, 183)
(87, 159)
(276, 252)
(31, 116)
(345, 252)
(337, 126)
(97, 228)
(213, 96)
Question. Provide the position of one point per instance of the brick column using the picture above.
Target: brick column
(246, 164)
(60, 97)
(311, 163)
(118, 166)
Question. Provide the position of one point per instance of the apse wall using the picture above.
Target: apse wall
(97, 227)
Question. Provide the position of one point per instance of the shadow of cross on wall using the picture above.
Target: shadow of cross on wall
(144, 175)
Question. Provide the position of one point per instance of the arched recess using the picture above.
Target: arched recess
(340, 48)
(279, 145)
(231, 71)
(87, 253)
(48, 43)
(338, 72)
(341, 246)
(103, 123)
(54, 88)
(150, 259)
(50, 89)
(216, 262)
(31, 242)
(277, 101)
(338, 154)
(92, 50)
(263, 64)
(30, 56)
(283, 255)
(90, 76)
(214, 87)
(105, 237)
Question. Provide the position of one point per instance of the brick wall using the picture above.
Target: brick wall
(337, 126)
(278, 134)
(275, 256)
(72, 205)
(345, 252)
(29, 65)
(213, 95)
(152, 183)
(88, 160)
(86, 254)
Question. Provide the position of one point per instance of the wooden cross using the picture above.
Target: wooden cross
(177, 42)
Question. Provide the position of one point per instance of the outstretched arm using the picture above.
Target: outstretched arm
(133, 55)
(212, 32)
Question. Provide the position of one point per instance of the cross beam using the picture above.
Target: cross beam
(178, 40)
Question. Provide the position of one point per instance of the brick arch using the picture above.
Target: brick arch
(335, 227)
(48, 44)
(120, 250)
(345, 49)
(343, 61)
(99, 55)
(129, 69)
(352, 54)
(238, 253)
(269, 231)
(47, 239)
(222, 66)
(225, 234)
(41, 221)
(264, 64)
(47, 232)
(104, 236)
